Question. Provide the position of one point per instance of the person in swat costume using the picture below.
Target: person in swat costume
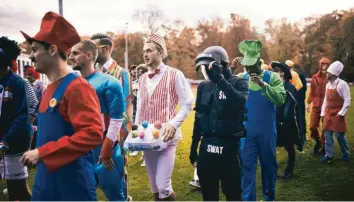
(220, 108)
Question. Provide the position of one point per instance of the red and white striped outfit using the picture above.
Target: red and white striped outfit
(157, 101)
(161, 105)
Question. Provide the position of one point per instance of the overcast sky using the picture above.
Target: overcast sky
(92, 16)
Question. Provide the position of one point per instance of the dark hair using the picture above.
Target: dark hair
(104, 39)
(143, 67)
(47, 46)
(132, 67)
(9, 51)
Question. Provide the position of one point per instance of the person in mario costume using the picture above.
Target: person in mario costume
(69, 121)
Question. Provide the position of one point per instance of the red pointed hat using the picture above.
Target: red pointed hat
(56, 30)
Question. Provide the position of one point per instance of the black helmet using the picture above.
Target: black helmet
(212, 53)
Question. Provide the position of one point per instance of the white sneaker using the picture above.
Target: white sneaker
(194, 183)
(129, 198)
(5, 191)
(134, 153)
(143, 164)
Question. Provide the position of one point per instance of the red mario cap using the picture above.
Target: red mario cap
(56, 30)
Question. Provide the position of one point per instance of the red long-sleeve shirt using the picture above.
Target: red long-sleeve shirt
(80, 107)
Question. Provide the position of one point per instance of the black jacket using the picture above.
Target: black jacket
(220, 108)
(287, 128)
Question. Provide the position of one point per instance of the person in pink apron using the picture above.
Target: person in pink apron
(334, 108)
(160, 90)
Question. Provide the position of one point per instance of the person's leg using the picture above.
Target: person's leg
(343, 145)
(231, 175)
(249, 155)
(269, 165)
(18, 190)
(208, 173)
(16, 174)
(151, 167)
(164, 169)
(329, 146)
(291, 160)
(315, 118)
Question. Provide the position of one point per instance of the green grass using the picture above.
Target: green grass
(313, 181)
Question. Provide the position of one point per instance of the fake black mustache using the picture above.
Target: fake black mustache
(78, 68)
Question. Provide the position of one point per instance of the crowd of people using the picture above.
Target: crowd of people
(73, 130)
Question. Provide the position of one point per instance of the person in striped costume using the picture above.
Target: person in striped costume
(160, 90)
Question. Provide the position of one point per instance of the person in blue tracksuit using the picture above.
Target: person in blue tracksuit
(110, 164)
(266, 92)
(15, 127)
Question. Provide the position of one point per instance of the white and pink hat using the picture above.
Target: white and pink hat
(160, 41)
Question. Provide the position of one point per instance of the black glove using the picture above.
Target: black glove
(193, 156)
(216, 71)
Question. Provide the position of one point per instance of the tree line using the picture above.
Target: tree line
(330, 35)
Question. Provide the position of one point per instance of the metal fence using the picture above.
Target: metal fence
(23, 60)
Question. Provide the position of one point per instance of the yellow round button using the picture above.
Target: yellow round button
(53, 102)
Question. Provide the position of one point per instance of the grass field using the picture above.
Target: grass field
(313, 180)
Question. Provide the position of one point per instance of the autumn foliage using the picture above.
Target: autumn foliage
(305, 42)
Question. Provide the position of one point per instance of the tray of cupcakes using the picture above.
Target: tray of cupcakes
(146, 136)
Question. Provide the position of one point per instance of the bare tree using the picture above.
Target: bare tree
(151, 18)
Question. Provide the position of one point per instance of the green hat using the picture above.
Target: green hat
(251, 51)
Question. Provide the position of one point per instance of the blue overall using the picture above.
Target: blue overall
(260, 141)
(74, 181)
